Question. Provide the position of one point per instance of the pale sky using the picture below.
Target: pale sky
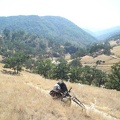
(91, 14)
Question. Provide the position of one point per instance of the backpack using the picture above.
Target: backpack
(62, 86)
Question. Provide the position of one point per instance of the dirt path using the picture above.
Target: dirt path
(89, 108)
(101, 113)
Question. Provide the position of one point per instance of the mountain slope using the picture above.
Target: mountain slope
(107, 33)
(51, 27)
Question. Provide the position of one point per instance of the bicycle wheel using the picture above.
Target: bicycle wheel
(76, 100)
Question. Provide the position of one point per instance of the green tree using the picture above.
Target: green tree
(100, 78)
(79, 53)
(87, 75)
(61, 71)
(93, 76)
(71, 49)
(62, 60)
(6, 33)
(44, 68)
(74, 75)
(75, 63)
(29, 64)
(114, 78)
(16, 61)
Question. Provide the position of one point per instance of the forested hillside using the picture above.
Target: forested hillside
(34, 45)
(50, 27)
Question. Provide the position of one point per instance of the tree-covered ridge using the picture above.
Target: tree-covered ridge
(40, 47)
(34, 45)
(50, 27)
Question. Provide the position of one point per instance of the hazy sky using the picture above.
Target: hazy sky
(92, 14)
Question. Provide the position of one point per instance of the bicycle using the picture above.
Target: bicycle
(68, 96)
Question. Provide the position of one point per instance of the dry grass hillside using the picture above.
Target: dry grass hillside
(26, 97)
(109, 60)
(116, 51)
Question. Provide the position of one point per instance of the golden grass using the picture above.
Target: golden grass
(106, 67)
(109, 60)
(116, 51)
(112, 43)
(87, 59)
(25, 97)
